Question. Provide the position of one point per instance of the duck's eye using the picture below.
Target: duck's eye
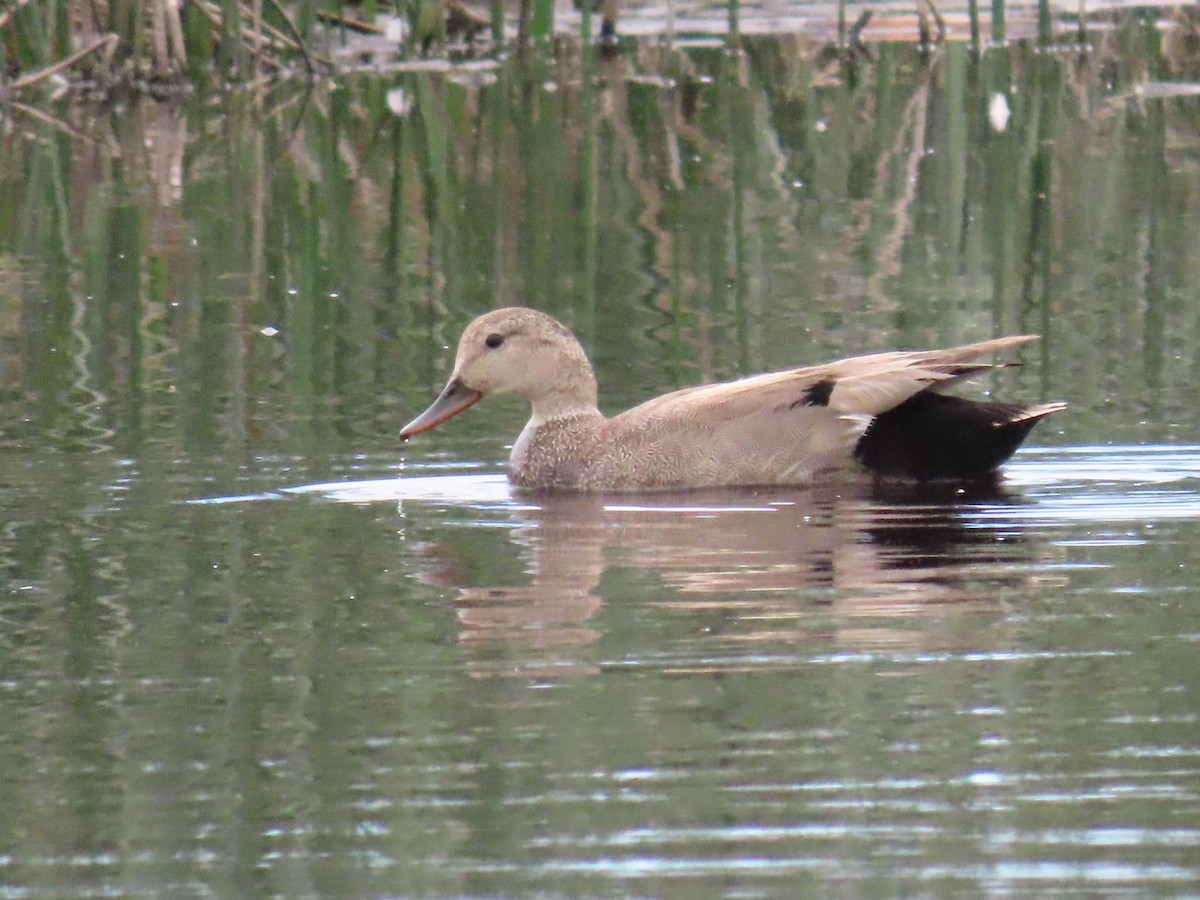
(493, 341)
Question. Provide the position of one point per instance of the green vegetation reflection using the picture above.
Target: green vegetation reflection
(218, 274)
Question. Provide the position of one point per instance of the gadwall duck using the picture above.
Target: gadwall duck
(881, 413)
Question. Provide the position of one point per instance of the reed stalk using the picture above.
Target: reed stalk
(541, 25)
(497, 10)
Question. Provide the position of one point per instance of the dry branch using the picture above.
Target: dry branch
(107, 43)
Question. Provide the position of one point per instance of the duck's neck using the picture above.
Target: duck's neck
(556, 450)
(573, 396)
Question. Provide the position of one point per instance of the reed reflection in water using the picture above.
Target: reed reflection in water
(286, 282)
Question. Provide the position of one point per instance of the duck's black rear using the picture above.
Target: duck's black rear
(934, 436)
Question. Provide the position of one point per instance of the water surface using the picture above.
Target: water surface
(251, 645)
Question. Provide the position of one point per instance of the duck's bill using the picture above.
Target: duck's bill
(454, 398)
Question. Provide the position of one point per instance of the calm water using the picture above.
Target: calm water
(250, 645)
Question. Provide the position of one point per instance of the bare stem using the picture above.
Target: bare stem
(107, 42)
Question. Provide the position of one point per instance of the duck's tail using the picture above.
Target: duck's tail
(932, 436)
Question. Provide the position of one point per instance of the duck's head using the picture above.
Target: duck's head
(514, 351)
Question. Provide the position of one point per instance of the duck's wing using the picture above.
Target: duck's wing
(858, 386)
(771, 427)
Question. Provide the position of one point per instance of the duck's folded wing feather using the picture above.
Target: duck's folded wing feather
(860, 385)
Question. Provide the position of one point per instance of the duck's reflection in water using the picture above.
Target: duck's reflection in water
(859, 566)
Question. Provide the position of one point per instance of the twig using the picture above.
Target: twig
(854, 40)
(352, 24)
(169, 49)
(307, 57)
(42, 116)
(214, 16)
(106, 42)
(295, 42)
(175, 29)
(277, 38)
